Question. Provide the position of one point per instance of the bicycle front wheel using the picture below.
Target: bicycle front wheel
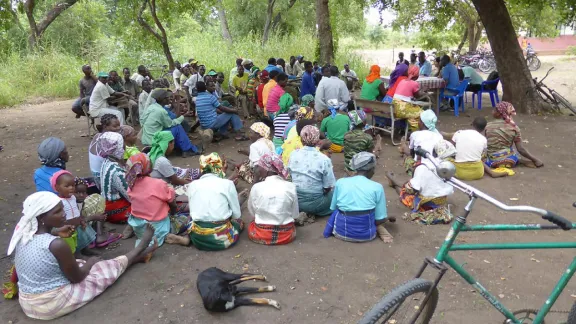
(485, 66)
(402, 303)
(563, 102)
(533, 63)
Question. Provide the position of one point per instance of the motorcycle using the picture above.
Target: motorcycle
(478, 60)
(532, 60)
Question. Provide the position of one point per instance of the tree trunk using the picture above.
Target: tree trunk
(463, 41)
(324, 32)
(278, 16)
(38, 29)
(514, 74)
(161, 36)
(474, 34)
(268, 23)
(224, 22)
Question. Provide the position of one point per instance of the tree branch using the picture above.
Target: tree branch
(278, 16)
(29, 9)
(143, 22)
(53, 14)
(152, 4)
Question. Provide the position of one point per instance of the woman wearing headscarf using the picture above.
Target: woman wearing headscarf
(356, 140)
(51, 281)
(156, 119)
(406, 92)
(282, 119)
(313, 174)
(400, 73)
(336, 125)
(153, 202)
(359, 204)
(273, 202)
(162, 168)
(503, 134)
(373, 87)
(108, 123)
(426, 137)
(261, 144)
(304, 112)
(113, 177)
(216, 217)
(426, 193)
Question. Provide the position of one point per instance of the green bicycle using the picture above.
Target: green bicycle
(392, 309)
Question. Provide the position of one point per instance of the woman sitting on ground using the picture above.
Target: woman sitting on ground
(130, 139)
(108, 123)
(406, 91)
(295, 143)
(282, 120)
(400, 73)
(336, 125)
(216, 216)
(304, 112)
(259, 135)
(426, 137)
(356, 140)
(373, 87)
(113, 177)
(313, 175)
(153, 202)
(273, 202)
(163, 145)
(426, 194)
(359, 204)
(502, 135)
(51, 281)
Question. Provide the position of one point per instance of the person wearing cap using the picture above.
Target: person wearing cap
(359, 205)
(193, 66)
(247, 64)
(86, 85)
(101, 97)
(349, 77)
(234, 71)
(300, 59)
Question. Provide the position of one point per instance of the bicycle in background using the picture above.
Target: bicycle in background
(551, 96)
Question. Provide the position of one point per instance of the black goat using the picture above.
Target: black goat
(218, 290)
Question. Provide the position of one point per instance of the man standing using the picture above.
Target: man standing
(86, 85)
(349, 76)
(101, 95)
(234, 71)
(401, 59)
(331, 88)
(424, 65)
(176, 74)
(194, 79)
(239, 84)
(308, 85)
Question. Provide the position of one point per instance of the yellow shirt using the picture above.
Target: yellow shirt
(289, 146)
(240, 82)
(266, 91)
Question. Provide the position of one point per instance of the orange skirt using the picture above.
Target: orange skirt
(335, 148)
(117, 211)
(271, 234)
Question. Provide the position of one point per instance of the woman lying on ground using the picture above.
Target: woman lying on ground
(53, 155)
(426, 137)
(273, 202)
(130, 138)
(216, 217)
(336, 125)
(406, 90)
(162, 146)
(313, 175)
(153, 202)
(51, 281)
(108, 123)
(426, 194)
(502, 135)
(359, 204)
(113, 177)
(261, 144)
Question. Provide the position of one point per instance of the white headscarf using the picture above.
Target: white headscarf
(36, 204)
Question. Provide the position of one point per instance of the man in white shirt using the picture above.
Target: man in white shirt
(470, 143)
(191, 82)
(331, 88)
(139, 76)
(349, 77)
(101, 94)
(176, 74)
(143, 98)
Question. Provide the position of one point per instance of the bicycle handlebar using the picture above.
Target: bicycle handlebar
(562, 222)
(546, 74)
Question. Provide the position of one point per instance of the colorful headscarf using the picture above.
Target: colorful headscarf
(506, 110)
(429, 119)
(212, 163)
(110, 144)
(35, 205)
(160, 143)
(400, 70)
(254, 71)
(334, 106)
(310, 135)
(94, 204)
(49, 152)
(137, 165)
(272, 162)
(444, 149)
(357, 117)
(55, 177)
(306, 100)
(374, 74)
(264, 75)
(261, 129)
(305, 113)
(127, 130)
(363, 161)
(285, 103)
(413, 72)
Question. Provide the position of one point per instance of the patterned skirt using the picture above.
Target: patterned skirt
(271, 234)
(246, 173)
(216, 236)
(425, 210)
(117, 211)
(358, 226)
(506, 158)
(408, 111)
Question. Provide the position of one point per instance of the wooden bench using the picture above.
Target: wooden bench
(383, 110)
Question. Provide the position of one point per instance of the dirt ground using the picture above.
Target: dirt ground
(320, 280)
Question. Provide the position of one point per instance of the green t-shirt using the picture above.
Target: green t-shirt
(336, 128)
(370, 90)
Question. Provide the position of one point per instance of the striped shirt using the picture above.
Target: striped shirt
(280, 123)
(206, 105)
(274, 98)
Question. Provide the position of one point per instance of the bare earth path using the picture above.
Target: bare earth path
(319, 280)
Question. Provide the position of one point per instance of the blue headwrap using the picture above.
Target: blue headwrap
(428, 117)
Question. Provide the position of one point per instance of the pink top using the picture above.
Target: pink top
(407, 88)
(150, 197)
(274, 99)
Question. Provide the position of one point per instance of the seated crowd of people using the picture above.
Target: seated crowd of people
(288, 170)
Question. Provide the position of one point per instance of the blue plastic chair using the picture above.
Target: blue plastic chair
(458, 96)
(493, 93)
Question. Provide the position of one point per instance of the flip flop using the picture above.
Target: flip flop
(111, 239)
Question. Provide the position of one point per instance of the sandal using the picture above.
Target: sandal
(111, 239)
